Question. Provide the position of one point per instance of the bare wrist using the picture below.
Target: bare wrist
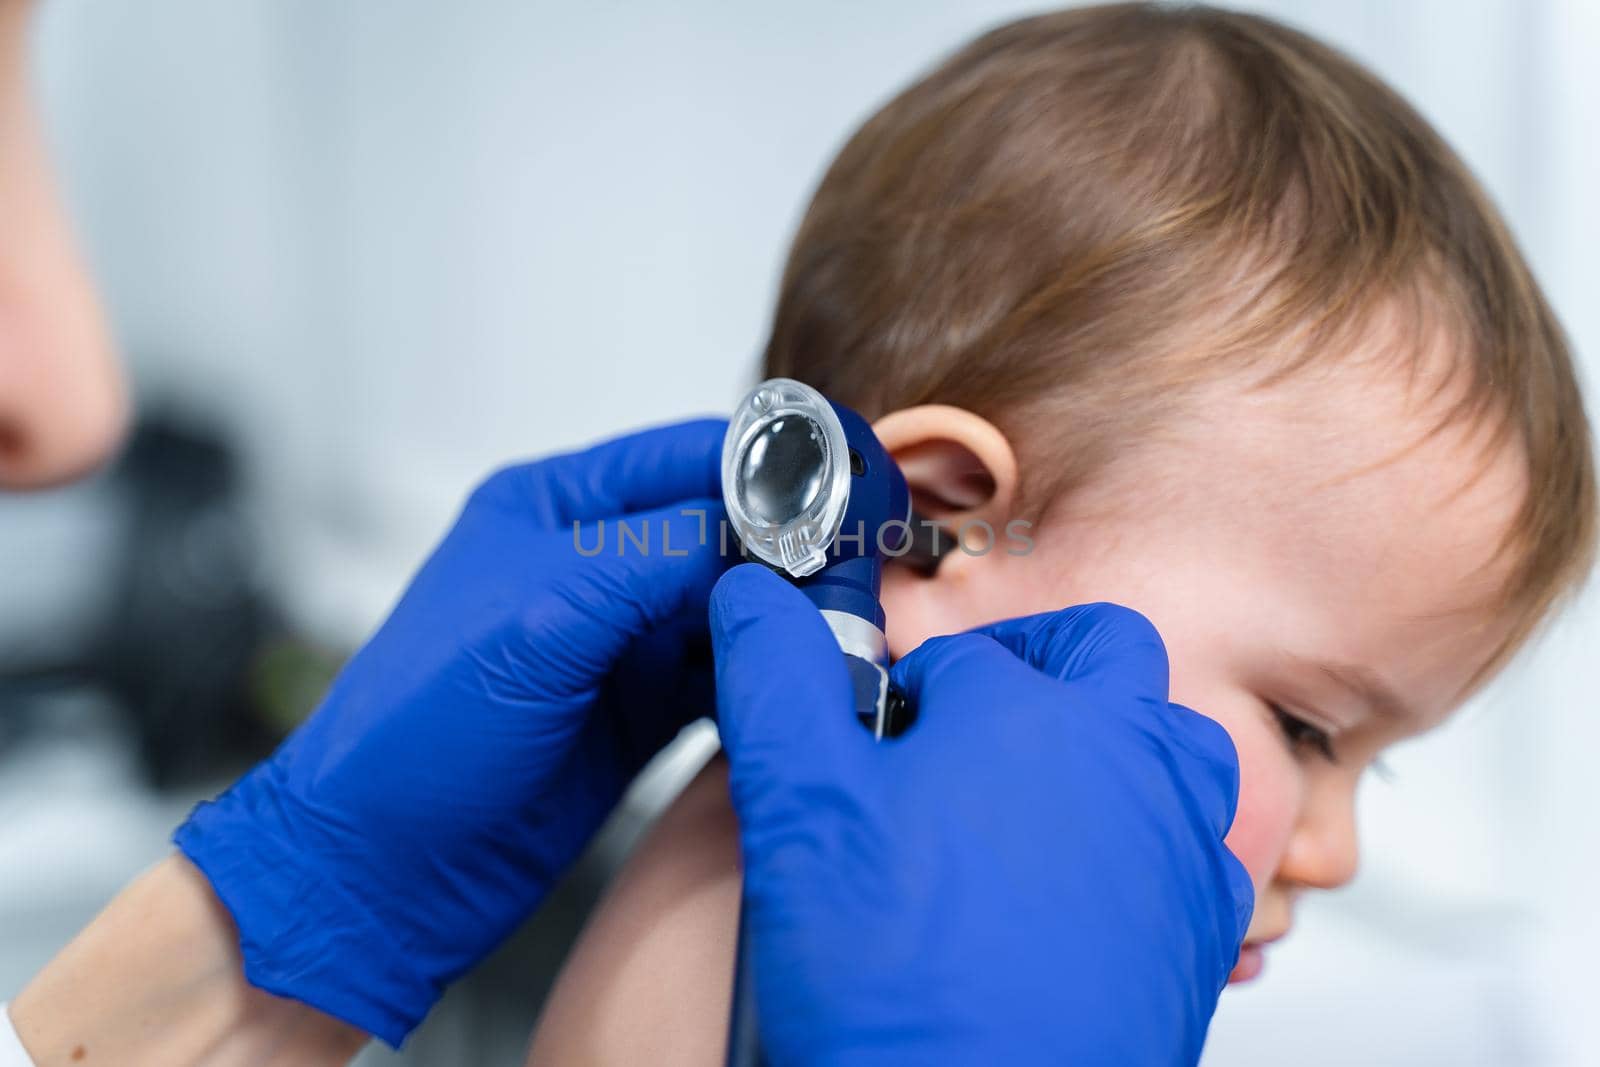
(156, 978)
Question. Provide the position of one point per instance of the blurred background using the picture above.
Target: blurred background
(358, 254)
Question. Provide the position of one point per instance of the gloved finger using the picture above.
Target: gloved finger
(951, 681)
(641, 471)
(1211, 763)
(627, 579)
(973, 698)
(1097, 647)
(784, 703)
(1243, 892)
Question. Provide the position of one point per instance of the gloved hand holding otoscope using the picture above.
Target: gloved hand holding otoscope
(961, 894)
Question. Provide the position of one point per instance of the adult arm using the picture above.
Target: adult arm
(156, 980)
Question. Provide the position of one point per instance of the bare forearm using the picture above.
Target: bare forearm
(156, 979)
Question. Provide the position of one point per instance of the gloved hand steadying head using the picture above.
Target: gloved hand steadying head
(1034, 873)
(466, 755)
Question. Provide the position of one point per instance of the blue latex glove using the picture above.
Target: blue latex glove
(469, 751)
(1033, 873)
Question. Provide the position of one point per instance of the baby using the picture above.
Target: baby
(1228, 323)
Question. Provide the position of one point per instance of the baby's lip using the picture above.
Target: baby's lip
(1252, 957)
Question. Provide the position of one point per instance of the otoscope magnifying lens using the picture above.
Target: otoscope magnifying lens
(783, 469)
(786, 475)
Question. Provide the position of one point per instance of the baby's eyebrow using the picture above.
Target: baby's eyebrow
(1371, 688)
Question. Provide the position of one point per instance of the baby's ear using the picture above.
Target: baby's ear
(958, 465)
(961, 470)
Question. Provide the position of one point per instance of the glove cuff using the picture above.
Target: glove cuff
(302, 935)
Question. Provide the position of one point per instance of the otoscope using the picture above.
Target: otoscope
(812, 493)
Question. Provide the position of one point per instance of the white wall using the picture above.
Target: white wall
(396, 243)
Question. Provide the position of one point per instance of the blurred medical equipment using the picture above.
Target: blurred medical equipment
(180, 635)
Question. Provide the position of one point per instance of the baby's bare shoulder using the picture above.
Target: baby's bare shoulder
(650, 978)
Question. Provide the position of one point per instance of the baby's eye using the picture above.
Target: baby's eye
(1301, 734)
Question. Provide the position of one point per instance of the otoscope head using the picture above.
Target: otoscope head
(812, 492)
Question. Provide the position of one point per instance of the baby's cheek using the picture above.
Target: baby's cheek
(1269, 795)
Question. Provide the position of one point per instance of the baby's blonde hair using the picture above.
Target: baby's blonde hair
(1034, 230)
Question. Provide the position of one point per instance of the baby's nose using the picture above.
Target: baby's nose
(1323, 850)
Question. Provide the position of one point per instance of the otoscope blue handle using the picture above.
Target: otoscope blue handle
(850, 586)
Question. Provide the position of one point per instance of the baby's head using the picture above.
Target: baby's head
(1229, 324)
